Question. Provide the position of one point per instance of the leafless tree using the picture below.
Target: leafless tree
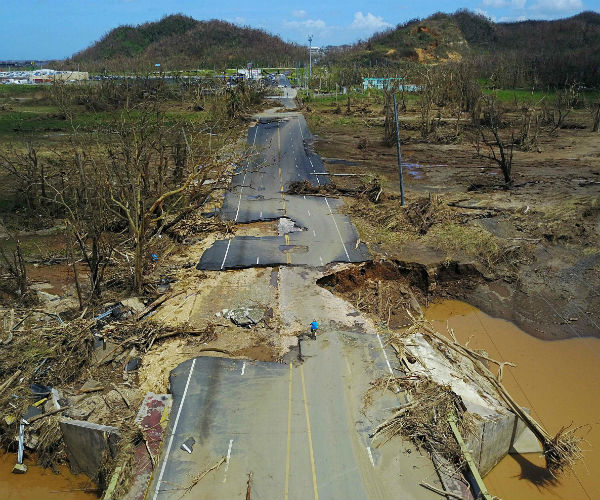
(595, 112)
(564, 101)
(14, 263)
(500, 149)
(28, 172)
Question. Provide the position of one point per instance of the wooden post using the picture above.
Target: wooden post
(399, 153)
(469, 458)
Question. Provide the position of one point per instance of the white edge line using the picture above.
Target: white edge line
(226, 252)
(164, 465)
(385, 355)
(338, 229)
(370, 456)
(227, 459)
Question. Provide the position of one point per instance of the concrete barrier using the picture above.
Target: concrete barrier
(86, 445)
(498, 431)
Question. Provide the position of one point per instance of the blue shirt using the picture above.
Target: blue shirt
(314, 325)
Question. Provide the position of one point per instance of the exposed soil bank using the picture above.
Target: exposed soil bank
(559, 381)
(40, 483)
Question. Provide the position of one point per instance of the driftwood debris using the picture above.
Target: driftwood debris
(156, 303)
(249, 486)
(47, 414)
(439, 491)
(9, 381)
(200, 476)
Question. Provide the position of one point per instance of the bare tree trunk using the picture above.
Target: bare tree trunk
(75, 272)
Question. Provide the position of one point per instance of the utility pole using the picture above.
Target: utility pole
(310, 39)
(399, 153)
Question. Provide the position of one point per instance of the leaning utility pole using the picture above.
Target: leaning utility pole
(310, 39)
(399, 154)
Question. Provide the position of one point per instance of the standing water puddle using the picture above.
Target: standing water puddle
(558, 380)
(417, 170)
(39, 483)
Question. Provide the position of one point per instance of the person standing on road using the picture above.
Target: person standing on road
(313, 328)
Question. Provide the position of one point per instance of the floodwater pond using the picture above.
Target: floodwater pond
(558, 380)
(39, 483)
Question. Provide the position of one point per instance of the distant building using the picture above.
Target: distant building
(42, 76)
(251, 74)
(381, 83)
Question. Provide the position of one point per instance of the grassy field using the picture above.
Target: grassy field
(27, 111)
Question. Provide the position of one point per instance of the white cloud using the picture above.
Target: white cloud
(512, 19)
(368, 22)
(516, 4)
(299, 13)
(558, 5)
(317, 24)
(484, 13)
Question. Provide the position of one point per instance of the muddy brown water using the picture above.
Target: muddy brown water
(39, 483)
(558, 380)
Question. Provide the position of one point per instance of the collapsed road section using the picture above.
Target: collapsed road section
(283, 155)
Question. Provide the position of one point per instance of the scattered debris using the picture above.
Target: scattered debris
(90, 386)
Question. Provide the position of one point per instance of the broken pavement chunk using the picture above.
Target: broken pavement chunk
(245, 317)
(19, 469)
(132, 365)
(188, 445)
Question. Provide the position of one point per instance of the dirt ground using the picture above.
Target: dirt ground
(533, 250)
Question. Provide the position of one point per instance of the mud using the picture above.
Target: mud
(57, 278)
(259, 353)
(39, 483)
(557, 380)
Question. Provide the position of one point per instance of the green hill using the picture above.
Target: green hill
(548, 52)
(181, 42)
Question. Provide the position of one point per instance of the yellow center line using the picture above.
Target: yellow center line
(310, 446)
(289, 434)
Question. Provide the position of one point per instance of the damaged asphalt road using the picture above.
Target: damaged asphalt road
(284, 155)
(295, 426)
(298, 429)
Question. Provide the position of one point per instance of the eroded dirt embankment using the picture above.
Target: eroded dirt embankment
(387, 287)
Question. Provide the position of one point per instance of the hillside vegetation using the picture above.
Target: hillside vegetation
(548, 53)
(179, 41)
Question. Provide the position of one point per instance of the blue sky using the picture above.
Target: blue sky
(46, 29)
